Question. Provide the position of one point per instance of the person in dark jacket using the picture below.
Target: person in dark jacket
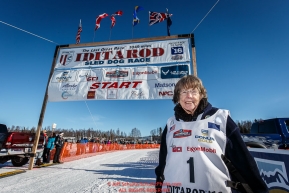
(59, 141)
(194, 142)
(48, 147)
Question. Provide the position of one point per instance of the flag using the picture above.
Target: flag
(98, 19)
(136, 20)
(156, 17)
(112, 18)
(78, 33)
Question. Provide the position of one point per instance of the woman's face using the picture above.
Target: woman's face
(189, 99)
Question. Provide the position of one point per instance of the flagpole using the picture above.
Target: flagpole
(149, 25)
(109, 35)
(132, 33)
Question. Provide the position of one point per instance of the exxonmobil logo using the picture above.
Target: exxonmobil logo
(166, 93)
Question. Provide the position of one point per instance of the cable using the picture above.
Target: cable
(29, 32)
(90, 113)
(205, 16)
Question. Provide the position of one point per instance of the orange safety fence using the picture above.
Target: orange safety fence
(73, 151)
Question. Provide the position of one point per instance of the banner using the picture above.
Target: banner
(274, 168)
(147, 70)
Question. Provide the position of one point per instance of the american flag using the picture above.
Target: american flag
(78, 33)
(98, 19)
(156, 17)
(113, 18)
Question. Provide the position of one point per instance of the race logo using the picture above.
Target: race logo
(65, 95)
(117, 74)
(174, 71)
(172, 128)
(69, 87)
(175, 148)
(64, 77)
(66, 58)
(213, 126)
(273, 173)
(91, 95)
(203, 149)
(182, 133)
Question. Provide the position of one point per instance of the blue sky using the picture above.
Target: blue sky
(241, 49)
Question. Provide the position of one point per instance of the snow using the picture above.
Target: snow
(119, 171)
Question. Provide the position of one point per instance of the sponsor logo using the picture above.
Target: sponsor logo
(213, 126)
(64, 77)
(66, 58)
(112, 94)
(174, 71)
(166, 93)
(175, 148)
(172, 128)
(136, 94)
(206, 139)
(157, 85)
(205, 132)
(65, 95)
(145, 72)
(91, 95)
(117, 74)
(204, 149)
(177, 57)
(182, 133)
(69, 87)
(273, 173)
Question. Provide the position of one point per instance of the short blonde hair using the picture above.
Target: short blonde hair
(188, 82)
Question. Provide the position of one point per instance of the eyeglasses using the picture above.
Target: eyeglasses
(192, 92)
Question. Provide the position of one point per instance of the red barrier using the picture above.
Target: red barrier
(73, 151)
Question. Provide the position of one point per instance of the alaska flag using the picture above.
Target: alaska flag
(136, 20)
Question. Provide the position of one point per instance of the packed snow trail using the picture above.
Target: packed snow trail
(119, 171)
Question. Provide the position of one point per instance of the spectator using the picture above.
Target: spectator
(40, 153)
(48, 147)
(59, 141)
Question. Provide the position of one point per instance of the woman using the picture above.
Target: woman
(49, 146)
(194, 142)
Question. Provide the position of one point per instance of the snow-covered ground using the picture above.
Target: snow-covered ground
(119, 171)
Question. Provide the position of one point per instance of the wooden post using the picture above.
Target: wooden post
(41, 117)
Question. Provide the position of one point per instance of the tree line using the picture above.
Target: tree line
(155, 134)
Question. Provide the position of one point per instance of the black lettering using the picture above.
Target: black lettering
(182, 190)
(195, 191)
(188, 190)
(202, 191)
(177, 188)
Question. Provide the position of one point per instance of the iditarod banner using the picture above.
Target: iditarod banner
(274, 168)
(147, 70)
